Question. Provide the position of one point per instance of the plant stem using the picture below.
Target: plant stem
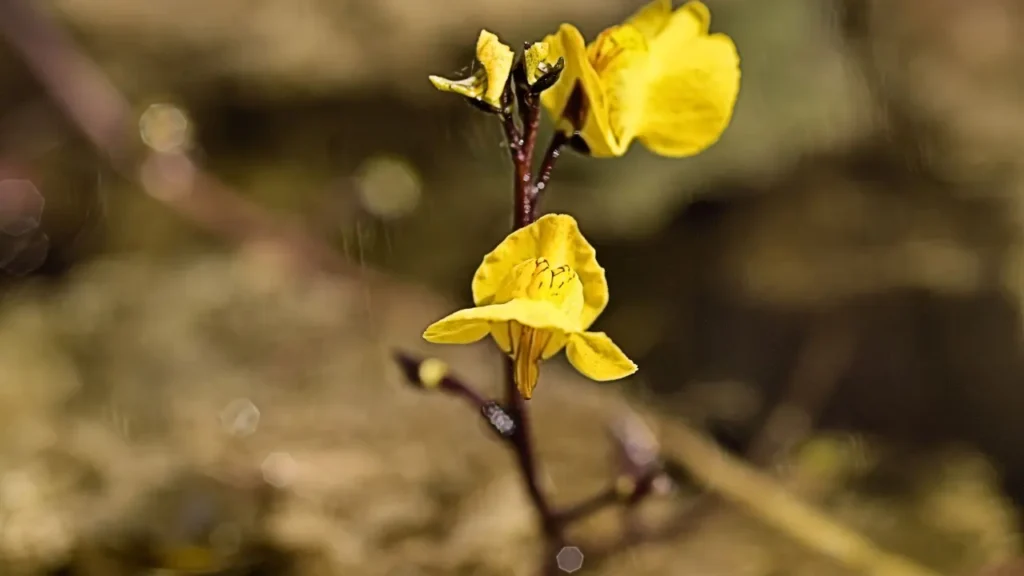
(522, 445)
(588, 507)
(525, 194)
(521, 150)
(521, 147)
(547, 166)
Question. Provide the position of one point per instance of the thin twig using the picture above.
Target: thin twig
(547, 166)
(411, 368)
(729, 478)
(102, 113)
(510, 425)
(759, 495)
(823, 355)
(589, 506)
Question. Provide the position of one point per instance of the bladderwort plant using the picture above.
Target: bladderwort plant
(659, 78)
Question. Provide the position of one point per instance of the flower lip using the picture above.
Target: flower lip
(538, 280)
(557, 239)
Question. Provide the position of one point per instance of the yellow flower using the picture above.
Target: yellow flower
(535, 294)
(488, 82)
(660, 78)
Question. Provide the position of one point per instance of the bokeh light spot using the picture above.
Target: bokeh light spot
(278, 469)
(570, 559)
(388, 187)
(165, 128)
(240, 417)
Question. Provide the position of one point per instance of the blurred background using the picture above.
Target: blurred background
(834, 287)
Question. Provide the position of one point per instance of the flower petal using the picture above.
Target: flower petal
(691, 20)
(507, 333)
(597, 357)
(527, 355)
(472, 324)
(695, 82)
(488, 83)
(496, 59)
(472, 87)
(539, 279)
(463, 327)
(652, 18)
(557, 238)
(620, 57)
(569, 45)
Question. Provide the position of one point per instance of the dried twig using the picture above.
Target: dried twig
(724, 476)
(822, 357)
(763, 498)
(639, 465)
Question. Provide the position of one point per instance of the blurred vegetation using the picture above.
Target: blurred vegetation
(869, 186)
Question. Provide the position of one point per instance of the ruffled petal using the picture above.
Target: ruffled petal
(690, 21)
(496, 59)
(652, 18)
(620, 57)
(488, 83)
(695, 80)
(597, 357)
(557, 238)
(539, 279)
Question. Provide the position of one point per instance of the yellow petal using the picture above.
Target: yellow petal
(488, 82)
(597, 357)
(652, 18)
(506, 334)
(539, 279)
(691, 20)
(472, 87)
(527, 372)
(695, 82)
(527, 353)
(472, 324)
(496, 59)
(463, 327)
(568, 44)
(556, 238)
(619, 55)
